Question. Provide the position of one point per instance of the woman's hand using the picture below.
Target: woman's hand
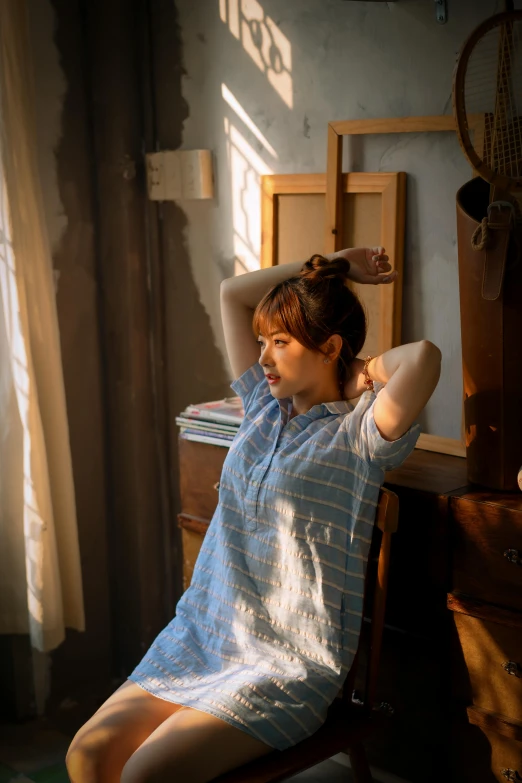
(368, 265)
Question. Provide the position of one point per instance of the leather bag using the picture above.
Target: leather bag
(490, 280)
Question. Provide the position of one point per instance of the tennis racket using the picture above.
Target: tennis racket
(487, 103)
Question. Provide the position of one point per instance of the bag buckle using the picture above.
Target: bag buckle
(500, 204)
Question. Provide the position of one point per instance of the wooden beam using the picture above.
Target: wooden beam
(333, 190)
(394, 125)
(114, 42)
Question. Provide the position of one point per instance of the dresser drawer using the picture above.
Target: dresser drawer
(481, 754)
(487, 552)
(200, 467)
(492, 657)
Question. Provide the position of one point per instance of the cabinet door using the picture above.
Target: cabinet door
(492, 657)
(413, 740)
(482, 755)
(486, 546)
(200, 467)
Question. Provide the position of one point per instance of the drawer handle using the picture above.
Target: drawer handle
(513, 555)
(511, 667)
(216, 486)
(383, 707)
(510, 774)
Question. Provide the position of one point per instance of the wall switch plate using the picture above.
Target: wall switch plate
(174, 175)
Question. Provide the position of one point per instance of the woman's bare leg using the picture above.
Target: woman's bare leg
(192, 746)
(102, 746)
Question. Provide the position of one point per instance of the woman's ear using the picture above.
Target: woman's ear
(332, 347)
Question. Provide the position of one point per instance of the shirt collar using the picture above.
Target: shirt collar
(316, 411)
(341, 406)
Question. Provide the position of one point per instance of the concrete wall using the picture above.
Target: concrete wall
(263, 79)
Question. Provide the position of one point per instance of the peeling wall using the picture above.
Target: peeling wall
(263, 79)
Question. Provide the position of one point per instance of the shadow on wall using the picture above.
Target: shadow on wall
(264, 79)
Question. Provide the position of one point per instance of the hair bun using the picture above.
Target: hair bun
(318, 268)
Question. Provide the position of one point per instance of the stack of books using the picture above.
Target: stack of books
(214, 422)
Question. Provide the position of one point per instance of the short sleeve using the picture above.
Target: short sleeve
(367, 441)
(252, 387)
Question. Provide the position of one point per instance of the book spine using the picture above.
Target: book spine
(214, 416)
(205, 439)
(206, 425)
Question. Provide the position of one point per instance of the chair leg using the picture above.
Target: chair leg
(359, 764)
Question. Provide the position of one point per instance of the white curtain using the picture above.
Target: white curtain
(40, 572)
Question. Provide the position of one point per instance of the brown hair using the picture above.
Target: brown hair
(314, 305)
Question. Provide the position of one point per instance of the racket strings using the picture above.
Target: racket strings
(493, 90)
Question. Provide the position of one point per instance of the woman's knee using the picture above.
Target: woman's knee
(102, 746)
(88, 758)
(80, 761)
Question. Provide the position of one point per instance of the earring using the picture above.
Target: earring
(326, 361)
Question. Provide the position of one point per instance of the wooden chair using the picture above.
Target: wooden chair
(348, 721)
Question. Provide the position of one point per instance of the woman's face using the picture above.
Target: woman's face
(301, 372)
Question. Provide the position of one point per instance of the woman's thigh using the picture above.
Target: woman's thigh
(101, 747)
(191, 746)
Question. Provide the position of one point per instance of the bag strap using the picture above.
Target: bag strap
(492, 235)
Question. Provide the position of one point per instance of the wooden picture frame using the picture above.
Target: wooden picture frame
(385, 302)
(332, 239)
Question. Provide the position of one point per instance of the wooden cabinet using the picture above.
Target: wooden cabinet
(451, 676)
(486, 602)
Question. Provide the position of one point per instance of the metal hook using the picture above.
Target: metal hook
(441, 11)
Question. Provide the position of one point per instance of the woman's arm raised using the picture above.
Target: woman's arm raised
(240, 296)
(249, 289)
(411, 373)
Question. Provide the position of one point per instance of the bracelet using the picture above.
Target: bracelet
(367, 380)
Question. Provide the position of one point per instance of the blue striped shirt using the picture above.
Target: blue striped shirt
(267, 631)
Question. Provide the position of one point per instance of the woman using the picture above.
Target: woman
(266, 633)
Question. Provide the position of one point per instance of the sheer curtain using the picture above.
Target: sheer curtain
(40, 572)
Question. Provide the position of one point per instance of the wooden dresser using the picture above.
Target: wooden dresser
(486, 602)
(451, 677)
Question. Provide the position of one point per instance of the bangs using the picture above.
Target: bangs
(268, 319)
(280, 310)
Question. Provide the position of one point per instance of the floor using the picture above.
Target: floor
(35, 752)
(32, 752)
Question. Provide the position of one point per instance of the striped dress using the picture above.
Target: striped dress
(266, 633)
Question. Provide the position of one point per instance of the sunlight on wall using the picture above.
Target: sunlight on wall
(263, 41)
(241, 113)
(245, 168)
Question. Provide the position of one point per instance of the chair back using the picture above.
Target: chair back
(386, 523)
